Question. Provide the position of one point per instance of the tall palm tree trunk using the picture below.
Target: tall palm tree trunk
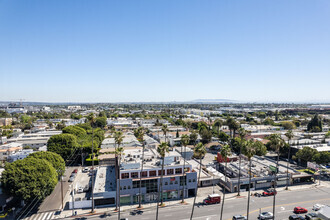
(287, 167)
(183, 172)
(140, 196)
(199, 176)
(160, 191)
(239, 172)
(248, 205)
(224, 191)
(161, 183)
(275, 181)
(118, 167)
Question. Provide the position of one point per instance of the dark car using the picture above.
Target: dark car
(296, 217)
(311, 216)
(239, 217)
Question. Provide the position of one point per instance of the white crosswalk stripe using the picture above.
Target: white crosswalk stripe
(41, 216)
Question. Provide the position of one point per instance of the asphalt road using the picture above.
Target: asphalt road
(54, 200)
(285, 202)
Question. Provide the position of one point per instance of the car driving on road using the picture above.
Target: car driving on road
(296, 217)
(266, 215)
(299, 210)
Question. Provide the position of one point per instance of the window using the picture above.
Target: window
(170, 172)
(178, 170)
(124, 187)
(152, 173)
(125, 175)
(194, 180)
(144, 173)
(189, 180)
(171, 183)
(128, 187)
(121, 188)
(183, 181)
(166, 183)
(160, 172)
(134, 175)
(176, 182)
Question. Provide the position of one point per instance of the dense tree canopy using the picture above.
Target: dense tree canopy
(315, 125)
(75, 130)
(288, 125)
(29, 178)
(55, 159)
(62, 144)
(307, 154)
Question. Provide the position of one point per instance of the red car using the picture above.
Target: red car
(269, 192)
(299, 210)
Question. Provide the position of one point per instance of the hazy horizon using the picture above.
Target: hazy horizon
(164, 51)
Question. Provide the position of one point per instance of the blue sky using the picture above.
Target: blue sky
(165, 50)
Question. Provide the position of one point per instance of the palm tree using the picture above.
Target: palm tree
(289, 135)
(242, 134)
(276, 142)
(249, 150)
(162, 150)
(139, 133)
(165, 130)
(225, 153)
(92, 120)
(184, 142)
(119, 151)
(199, 152)
(118, 140)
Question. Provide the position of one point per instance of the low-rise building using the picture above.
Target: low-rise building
(19, 155)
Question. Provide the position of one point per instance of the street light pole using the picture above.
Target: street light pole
(62, 190)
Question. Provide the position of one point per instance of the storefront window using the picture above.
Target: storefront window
(170, 172)
(178, 170)
(144, 173)
(125, 175)
(134, 175)
(152, 173)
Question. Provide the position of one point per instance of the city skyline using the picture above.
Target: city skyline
(144, 51)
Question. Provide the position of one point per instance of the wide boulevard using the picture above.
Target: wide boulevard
(285, 202)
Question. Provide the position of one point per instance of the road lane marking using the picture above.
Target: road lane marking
(293, 203)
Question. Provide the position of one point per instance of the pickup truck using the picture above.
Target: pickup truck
(212, 199)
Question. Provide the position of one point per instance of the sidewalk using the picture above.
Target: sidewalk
(202, 193)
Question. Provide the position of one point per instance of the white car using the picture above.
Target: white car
(317, 207)
(80, 189)
(266, 215)
(85, 170)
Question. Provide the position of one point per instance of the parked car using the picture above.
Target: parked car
(85, 170)
(311, 216)
(317, 207)
(239, 217)
(212, 199)
(71, 179)
(296, 217)
(266, 215)
(299, 210)
(80, 189)
(75, 171)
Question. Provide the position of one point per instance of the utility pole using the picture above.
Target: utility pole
(72, 200)
(93, 167)
(213, 184)
(62, 191)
